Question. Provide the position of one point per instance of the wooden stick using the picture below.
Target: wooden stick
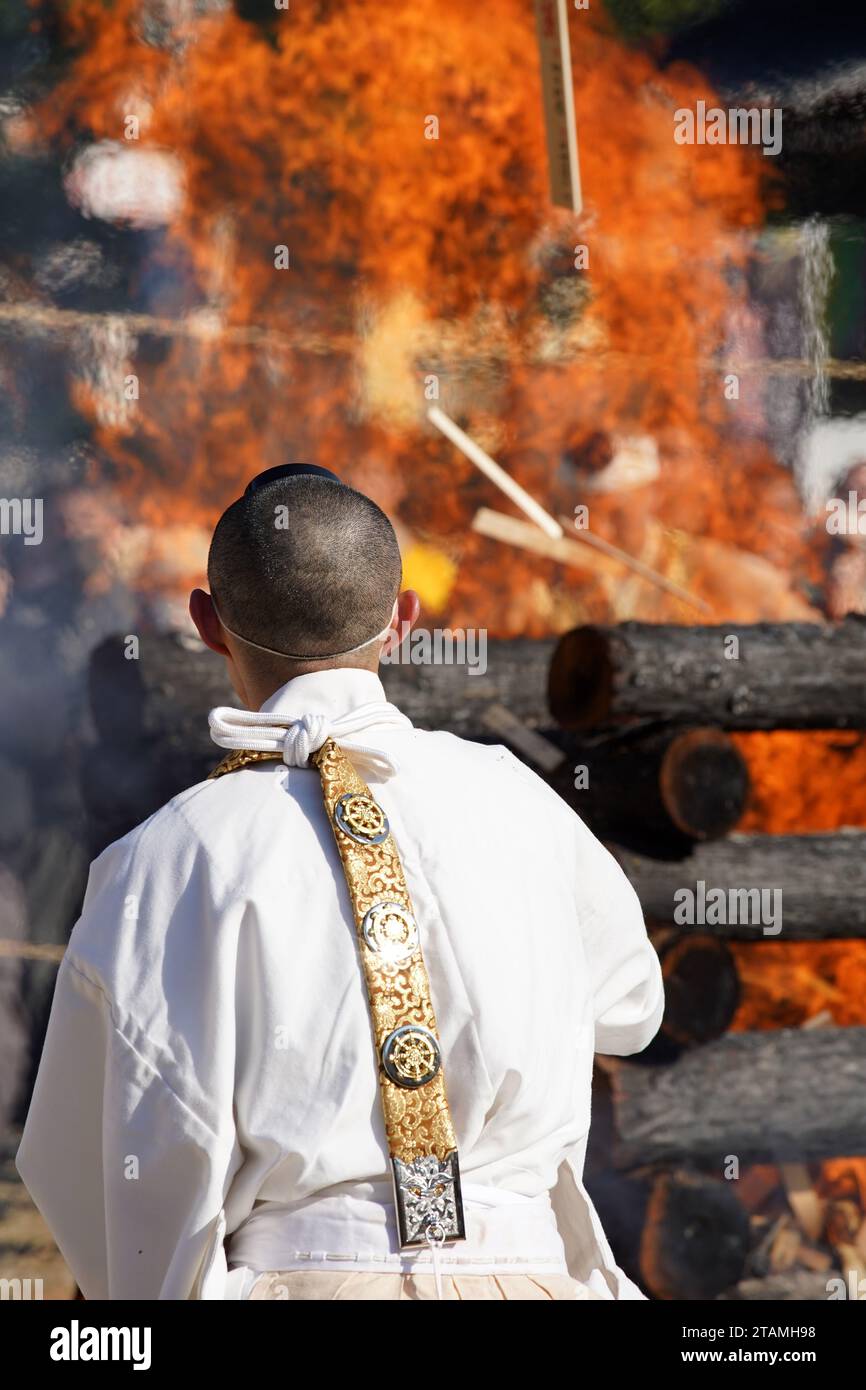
(28, 317)
(797, 366)
(534, 746)
(645, 571)
(204, 325)
(494, 472)
(30, 950)
(500, 527)
(807, 1206)
(822, 1020)
(551, 20)
(510, 529)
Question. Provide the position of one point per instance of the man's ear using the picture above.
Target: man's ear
(408, 612)
(208, 625)
(408, 609)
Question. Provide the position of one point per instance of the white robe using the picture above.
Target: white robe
(210, 1044)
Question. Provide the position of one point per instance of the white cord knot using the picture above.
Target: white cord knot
(305, 737)
(298, 738)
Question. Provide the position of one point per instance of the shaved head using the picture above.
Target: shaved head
(304, 565)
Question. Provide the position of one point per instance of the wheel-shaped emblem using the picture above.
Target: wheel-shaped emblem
(360, 818)
(410, 1055)
(391, 931)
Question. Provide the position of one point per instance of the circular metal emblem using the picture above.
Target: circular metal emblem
(410, 1055)
(360, 818)
(390, 930)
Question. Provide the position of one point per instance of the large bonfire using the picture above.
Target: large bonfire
(412, 257)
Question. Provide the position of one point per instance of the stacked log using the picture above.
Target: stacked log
(680, 1235)
(701, 1096)
(702, 989)
(760, 676)
(820, 879)
(775, 1096)
(659, 789)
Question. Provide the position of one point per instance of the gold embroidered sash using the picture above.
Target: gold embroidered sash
(421, 1140)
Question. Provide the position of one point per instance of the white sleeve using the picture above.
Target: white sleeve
(625, 975)
(128, 1179)
(625, 978)
(130, 1144)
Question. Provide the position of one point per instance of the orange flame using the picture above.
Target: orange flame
(313, 137)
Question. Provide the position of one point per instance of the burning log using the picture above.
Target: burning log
(163, 691)
(176, 681)
(702, 995)
(695, 1239)
(751, 887)
(654, 791)
(657, 790)
(681, 1235)
(761, 676)
(703, 782)
(702, 988)
(763, 1097)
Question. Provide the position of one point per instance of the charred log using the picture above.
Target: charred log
(695, 1239)
(702, 994)
(765, 1097)
(678, 1235)
(756, 887)
(443, 695)
(702, 988)
(656, 790)
(783, 676)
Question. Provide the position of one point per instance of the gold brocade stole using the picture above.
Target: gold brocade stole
(421, 1140)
